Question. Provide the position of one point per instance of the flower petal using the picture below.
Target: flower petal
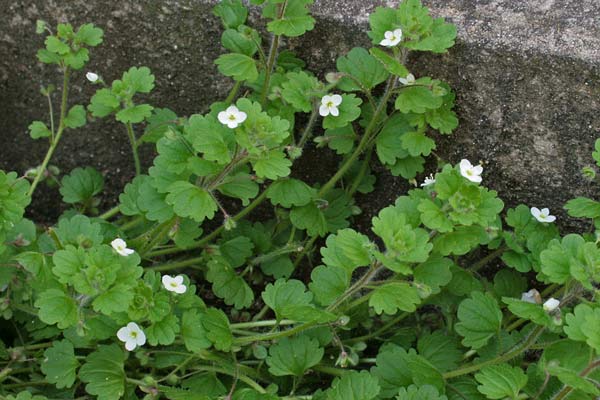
(325, 99)
(180, 289)
(130, 344)
(232, 124)
(535, 212)
(140, 338)
(323, 111)
(222, 117)
(241, 116)
(478, 169)
(334, 111)
(465, 164)
(166, 280)
(123, 334)
(336, 99)
(232, 110)
(550, 218)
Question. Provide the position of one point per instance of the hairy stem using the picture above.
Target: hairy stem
(134, 148)
(61, 127)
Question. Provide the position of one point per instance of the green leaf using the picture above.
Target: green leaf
(438, 39)
(433, 217)
(460, 241)
(417, 143)
(309, 217)
(576, 321)
(103, 103)
(408, 167)
(582, 207)
(76, 117)
(501, 381)
(241, 41)
(228, 285)
(394, 296)
(443, 119)
(294, 356)
(104, 373)
(391, 64)
(365, 70)
(68, 262)
(425, 392)
(238, 66)
(55, 45)
(354, 385)
(283, 293)
(290, 192)
(38, 129)
(139, 80)
(381, 20)
(163, 332)
(529, 311)
(480, 319)
(272, 165)
(404, 244)
(441, 350)
(298, 90)
(217, 328)
(89, 35)
(509, 283)
(237, 250)
(328, 283)
(417, 99)
(557, 258)
(134, 114)
(193, 332)
(210, 137)
(77, 59)
(232, 13)
(340, 139)
(189, 200)
(60, 365)
(160, 122)
(347, 249)
(591, 329)
(349, 111)
(79, 230)
(573, 379)
(241, 185)
(389, 144)
(295, 20)
(81, 185)
(114, 300)
(434, 273)
(55, 307)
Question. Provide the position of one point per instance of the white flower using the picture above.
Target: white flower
(472, 173)
(174, 284)
(409, 80)
(132, 335)
(551, 304)
(92, 77)
(542, 215)
(532, 296)
(329, 105)
(429, 180)
(392, 38)
(232, 117)
(121, 247)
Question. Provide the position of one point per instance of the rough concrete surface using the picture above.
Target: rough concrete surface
(526, 73)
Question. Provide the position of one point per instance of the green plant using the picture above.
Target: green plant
(438, 301)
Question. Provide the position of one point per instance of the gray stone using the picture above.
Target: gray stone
(526, 74)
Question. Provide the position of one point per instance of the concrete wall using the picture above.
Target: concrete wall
(526, 73)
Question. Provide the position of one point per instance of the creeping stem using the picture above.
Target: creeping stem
(56, 138)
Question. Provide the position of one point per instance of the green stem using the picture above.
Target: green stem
(214, 234)
(485, 260)
(517, 350)
(358, 285)
(175, 265)
(379, 331)
(271, 61)
(134, 148)
(234, 90)
(110, 213)
(272, 336)
(309, 126)
(362, 146)
(257, 324)
(61, 127)
(567, 389)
